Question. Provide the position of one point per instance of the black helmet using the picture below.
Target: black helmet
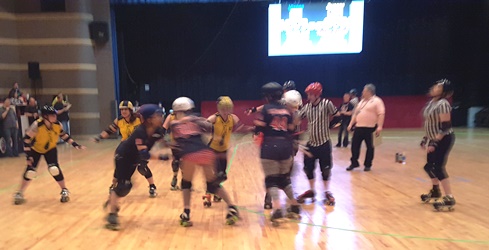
(353, 92)
(447, 87)
(272, 91)
(289, 85)
(48, 110)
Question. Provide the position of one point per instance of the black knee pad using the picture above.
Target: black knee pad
(143, 169)
(284, 181)
(429, 169)
(148, 174)
(122, 188)
(221, 165)
(175, 165)
(186, 184)
(212, 187)
(326, 172)
(55, 171)
(440, 173)
(272, 181)
(30, 173)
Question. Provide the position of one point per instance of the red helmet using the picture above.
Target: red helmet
(315, 88)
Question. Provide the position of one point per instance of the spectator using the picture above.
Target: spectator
(10, 128)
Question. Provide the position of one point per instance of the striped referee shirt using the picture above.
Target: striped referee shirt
(431, 113)
(318, 121)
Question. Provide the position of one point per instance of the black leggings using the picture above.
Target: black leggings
(437, 160)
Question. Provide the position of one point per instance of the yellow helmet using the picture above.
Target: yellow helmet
(126, 105)
(224, 102)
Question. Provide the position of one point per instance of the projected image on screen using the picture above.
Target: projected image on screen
(315, 28)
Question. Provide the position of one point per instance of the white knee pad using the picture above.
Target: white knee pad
(30, 174)
(53, 170)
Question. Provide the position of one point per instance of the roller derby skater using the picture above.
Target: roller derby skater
(224, 123)
(438, 142)
(275, 121)
(134, 153)
(126, 124)
(187, 131)
(40, 140)
(317, 111)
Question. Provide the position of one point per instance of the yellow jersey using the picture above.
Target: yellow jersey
(46, 138)
(126, 128)
(221, 133)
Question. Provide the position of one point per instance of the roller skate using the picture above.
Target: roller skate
(185, 219)
(308, 194)
(268, 202)
(329, 198)
(217, 198)
(232, 216)
(19, 198)
(447, 202)
(174, 186)
(65, 195)
(113, 222)
(107, 203)
(293, 212)
(152, 191)
(434, 194)
(207, 200)
(277, 217)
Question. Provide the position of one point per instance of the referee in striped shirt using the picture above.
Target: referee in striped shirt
(317, 112)
(439, 139)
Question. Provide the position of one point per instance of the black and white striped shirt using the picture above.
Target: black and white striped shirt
(318, 121)
(431, 114)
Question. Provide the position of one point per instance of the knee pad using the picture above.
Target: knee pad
(122, 188)
(440, 173)
(326, 172)
(284, 181)
(145, 171)
(30, 173)
(272, 181)
(221, 165)
(175, 165)
(186, 184)
(429, 168)
(212, 187)
(55, 171)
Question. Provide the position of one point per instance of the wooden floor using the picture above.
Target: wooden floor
(380, 209)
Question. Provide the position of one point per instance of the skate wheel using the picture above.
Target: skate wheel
(451, 209)
(175, 188)
(64, 199)
(113, 227)
(275, 223)
(207, 204)
(267, 206)
(186, 223)
(231, 220)
(152, 195)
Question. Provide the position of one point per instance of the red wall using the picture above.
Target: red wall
(401, 111)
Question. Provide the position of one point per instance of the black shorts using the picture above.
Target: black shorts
(124, 168)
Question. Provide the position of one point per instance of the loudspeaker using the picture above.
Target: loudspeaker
(99, 32)
(34, 72)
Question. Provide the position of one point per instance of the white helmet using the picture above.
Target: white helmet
(183, 104)
(293, 98)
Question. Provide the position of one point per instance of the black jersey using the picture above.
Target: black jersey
(128, 149)
(275, 119)
(187, 133)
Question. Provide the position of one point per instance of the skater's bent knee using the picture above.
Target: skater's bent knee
(123, 188)
(55, 171)
(272, 181)
(186, 184)
(30, 173)
(212, 187)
